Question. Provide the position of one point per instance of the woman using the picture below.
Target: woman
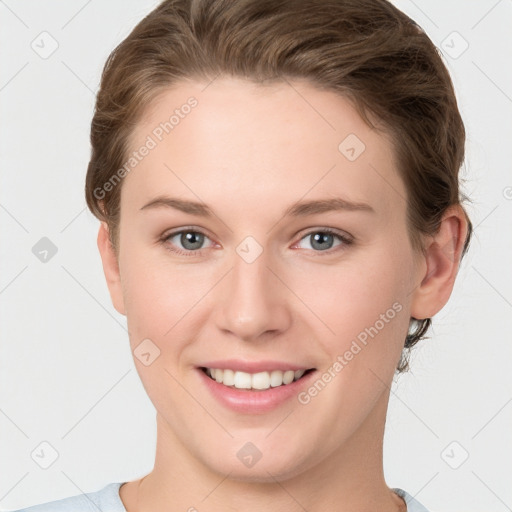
(277, 185)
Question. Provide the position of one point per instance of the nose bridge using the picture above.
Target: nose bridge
(253, 301)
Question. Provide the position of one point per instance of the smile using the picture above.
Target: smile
(255, 381)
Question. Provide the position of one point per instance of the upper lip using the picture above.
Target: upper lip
(252, 366)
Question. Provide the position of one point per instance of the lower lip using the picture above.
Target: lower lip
(254, 402)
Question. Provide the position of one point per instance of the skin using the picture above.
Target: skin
(249, 152)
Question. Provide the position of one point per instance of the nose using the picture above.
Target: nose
(253, 303)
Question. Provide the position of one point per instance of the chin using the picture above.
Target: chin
(248, 464)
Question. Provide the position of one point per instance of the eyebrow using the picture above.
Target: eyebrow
(299, 209)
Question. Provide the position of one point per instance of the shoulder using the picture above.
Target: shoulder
(106, 500)
(413, 505)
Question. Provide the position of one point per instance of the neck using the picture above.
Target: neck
(350, 478)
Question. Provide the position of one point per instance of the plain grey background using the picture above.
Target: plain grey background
(67, 376)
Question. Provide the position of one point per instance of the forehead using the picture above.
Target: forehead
(258, 143)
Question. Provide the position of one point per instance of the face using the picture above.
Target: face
(295, 257)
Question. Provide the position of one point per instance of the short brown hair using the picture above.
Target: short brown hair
(366, 50)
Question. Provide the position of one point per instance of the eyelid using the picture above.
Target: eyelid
(188, 229)
(164, 239)
(345, 238)
(326, 229)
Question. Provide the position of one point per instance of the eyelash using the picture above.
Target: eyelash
(346, 241)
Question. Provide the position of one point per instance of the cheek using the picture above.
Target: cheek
(163, 299)
(366, 310)
(363, 301)
(339, 302)
(160, 302)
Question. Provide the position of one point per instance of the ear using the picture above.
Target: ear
(111, 268)
(440, 265)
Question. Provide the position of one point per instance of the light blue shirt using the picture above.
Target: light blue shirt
(108, 500)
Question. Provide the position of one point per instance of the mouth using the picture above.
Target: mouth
(259, 381)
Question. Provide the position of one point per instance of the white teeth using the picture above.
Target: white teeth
(288, 376)
(298, 374)
(228, 377)
(276, 378)
(260, 380)
(242, 380)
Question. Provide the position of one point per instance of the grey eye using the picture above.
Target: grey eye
(322, 240)
(191, 240)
